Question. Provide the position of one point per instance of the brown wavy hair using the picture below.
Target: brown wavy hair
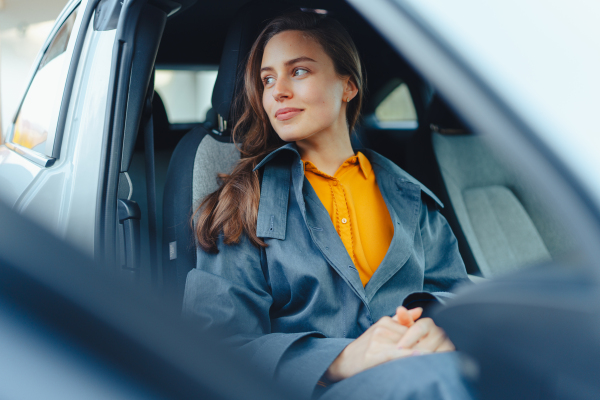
(233, 208)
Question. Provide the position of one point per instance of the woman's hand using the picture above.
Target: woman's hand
(423, 335)
(377, 345)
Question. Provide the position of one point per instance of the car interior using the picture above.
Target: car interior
(500, 221)
(175, 71)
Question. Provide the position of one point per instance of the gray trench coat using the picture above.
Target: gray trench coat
(294, 305)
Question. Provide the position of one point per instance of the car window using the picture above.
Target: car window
(42, 102)
(186, 93)
(397, 109)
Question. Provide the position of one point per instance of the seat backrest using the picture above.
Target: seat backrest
(506, 224)
(192, 175)
(203, 153)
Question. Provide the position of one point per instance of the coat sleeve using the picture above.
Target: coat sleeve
(444, 267)
(229, 292)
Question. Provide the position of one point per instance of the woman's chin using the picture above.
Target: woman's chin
(293, 136)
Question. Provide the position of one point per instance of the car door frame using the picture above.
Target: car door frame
(138, 33)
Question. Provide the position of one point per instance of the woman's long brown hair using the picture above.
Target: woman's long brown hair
(232, 209)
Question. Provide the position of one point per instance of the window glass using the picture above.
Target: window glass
(397, 106)
(185, 93)
(42, 101)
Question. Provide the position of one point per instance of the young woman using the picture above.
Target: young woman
(308, 250)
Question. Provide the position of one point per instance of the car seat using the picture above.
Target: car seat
(203, 153)
(505, 222)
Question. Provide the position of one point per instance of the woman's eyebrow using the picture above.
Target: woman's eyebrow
(289, 62)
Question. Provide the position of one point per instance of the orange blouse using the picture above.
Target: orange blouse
(357, 210)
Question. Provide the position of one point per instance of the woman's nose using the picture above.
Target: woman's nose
(282, 90)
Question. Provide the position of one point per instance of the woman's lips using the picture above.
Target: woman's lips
(288, 114)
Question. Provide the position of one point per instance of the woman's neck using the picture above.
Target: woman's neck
(327, 151)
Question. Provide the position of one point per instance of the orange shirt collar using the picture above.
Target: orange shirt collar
(363, 162)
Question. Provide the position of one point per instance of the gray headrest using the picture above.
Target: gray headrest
(247, 23)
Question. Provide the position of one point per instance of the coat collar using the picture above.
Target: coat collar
(358, 159)
(387, 165)
(290, 147)
(278, 166)
(283, 167)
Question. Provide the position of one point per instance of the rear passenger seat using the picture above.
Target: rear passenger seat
(505, 222)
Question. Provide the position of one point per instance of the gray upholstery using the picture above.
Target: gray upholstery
(506, 235)
(506, 224)
(212, 157)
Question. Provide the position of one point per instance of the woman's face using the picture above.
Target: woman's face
(303, 95)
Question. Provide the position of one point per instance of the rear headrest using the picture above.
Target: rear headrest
(247, 23)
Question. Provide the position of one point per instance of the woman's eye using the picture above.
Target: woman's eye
(268, 80)
(300, 71)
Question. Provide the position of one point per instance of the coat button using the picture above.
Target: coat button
(344, 220)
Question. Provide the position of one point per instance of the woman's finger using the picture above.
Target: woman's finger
(408, 317)
(391, 324)
(419, 330)
(395, 353)
(446, 345)
(415, 313)
(385, 334)
(432, 341)
(404, 317)
(401, 353)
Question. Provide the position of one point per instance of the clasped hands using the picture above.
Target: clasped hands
(403, 335)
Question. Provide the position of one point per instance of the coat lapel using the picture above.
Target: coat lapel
(329, 242)
(403, 200)
(402, 194)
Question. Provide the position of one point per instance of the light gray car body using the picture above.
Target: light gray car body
(62, 197)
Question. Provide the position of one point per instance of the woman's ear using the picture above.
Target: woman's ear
(350, 89)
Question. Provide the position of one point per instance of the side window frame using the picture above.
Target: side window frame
(73, 51)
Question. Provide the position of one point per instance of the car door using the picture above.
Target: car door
(50, 163)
